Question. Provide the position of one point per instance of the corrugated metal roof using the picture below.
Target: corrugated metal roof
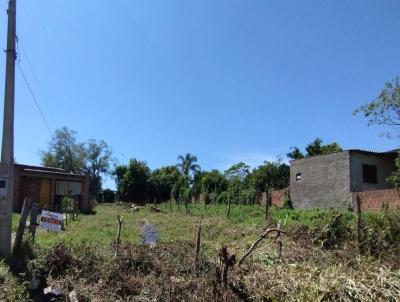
(391, 153)
(395, 151)
(47, 170)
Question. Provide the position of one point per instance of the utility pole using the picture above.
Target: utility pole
(7, 147)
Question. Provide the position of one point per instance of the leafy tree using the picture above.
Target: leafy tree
(385, 109)
(196, 183)
(134, 183)
(316, 147)
(119, 173)
(162, 181)
(295, 153)
(187, 164)
(395, 177)
(212, 184)
(108, 195)
(275, 175)
(64, 151)
(181, 189)
(98, 157)
(93, 157)
(239, 170)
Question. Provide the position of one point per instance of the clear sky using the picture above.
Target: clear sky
(226, 80)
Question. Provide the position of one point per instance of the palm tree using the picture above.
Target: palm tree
(188, 164)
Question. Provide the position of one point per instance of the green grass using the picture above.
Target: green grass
(313, 271)
(243, 226)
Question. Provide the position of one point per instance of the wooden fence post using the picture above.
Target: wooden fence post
(118, 235)
(33, 220)
(278, 241)
(267, 197)
(198, 245)
(21, 226)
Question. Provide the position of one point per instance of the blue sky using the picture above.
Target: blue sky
(226, 80)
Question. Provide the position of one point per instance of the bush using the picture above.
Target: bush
(108, 195)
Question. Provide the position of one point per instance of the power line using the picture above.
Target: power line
(34, 98)
(19, 41)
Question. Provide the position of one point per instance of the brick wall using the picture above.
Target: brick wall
(373, 201)
(277, 198)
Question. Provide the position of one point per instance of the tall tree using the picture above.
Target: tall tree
(187, 164)
(64, 151)
(133, 181)
(385, 109)
(93, 157)
(162, 181)
(98, 157)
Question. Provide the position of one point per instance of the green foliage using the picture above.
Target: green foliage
(287, 202)
(180, 189)
(133, 181)
(65, 152)
(162, 181)
(10, 287)
(108, 195)
(385, 109)
(98, 158)
(212, 184)
(187, 164)
(239, 171)
(395, 177)
(316, 147)
(275, 175)
(295, 153)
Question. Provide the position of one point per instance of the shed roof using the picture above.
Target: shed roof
(391, 153)
(47, 170)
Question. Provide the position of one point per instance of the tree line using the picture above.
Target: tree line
(186, 182)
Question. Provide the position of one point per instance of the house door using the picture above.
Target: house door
(45, 190)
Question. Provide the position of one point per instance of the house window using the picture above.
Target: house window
(298, 176)
(370, 174)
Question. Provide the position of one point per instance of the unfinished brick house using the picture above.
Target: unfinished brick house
(333, 180)
(47, 186)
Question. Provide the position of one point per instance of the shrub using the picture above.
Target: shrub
(108, 195)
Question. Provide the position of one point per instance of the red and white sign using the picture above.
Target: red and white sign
(51, 221)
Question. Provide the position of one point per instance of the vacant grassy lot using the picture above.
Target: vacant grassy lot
(320, 261)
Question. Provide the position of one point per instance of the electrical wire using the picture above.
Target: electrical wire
(19, 41)
(34, 98)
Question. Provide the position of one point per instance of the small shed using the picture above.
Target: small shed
(47, 186)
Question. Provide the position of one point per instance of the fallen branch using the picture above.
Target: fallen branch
(254, 245)
(154, 209)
